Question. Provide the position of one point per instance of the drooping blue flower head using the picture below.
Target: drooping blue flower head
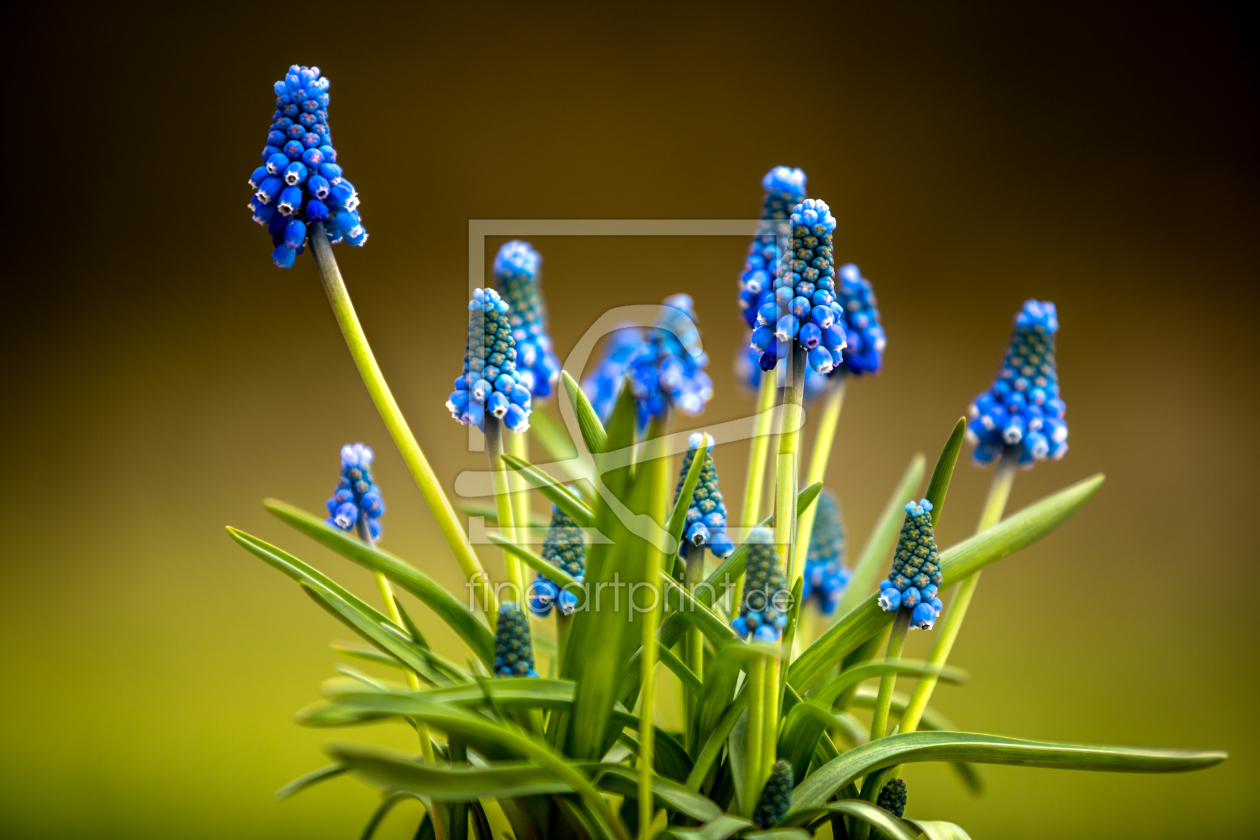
(1022, 410)
(667, 368)
(706, 514)
(776, 796)
(865, 334)
(804, 310)
(490, 381)
(826, 575)
(602, 385)
(300, 182)
(564, 548)
(513, 646)
(916, 570)
(748, 371)
(784, 188)
(518, 277)
(766, 598)
(357, 502)
(892, 797)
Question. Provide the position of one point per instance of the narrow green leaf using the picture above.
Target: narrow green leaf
(1010, 535)
(553, 573)
(933, 720)
(364, 655)
(666, 792)
(314, 777)
(720, 680)
(939, 830)
(592, 430)
(685, 675)
(387, 805)
(555, 441)
(721, 828)
(938, 486)
(552, 490)
(456, 614)
(858, 808)
(910, 747)
(778, 834)
(491, 515)
(827, 693)
(393, 771)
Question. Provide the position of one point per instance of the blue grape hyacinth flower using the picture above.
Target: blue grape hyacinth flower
(513, 645)
(706, 512)
(1022, 410)
(764, 603)
(300, 182)
(564, 548)
(826, 575)
(667, 369)
(804, 310)
(357, 502)
(603, 384)
(776, 796)
(862, 328)
(518, 278)
(916, 570)
(490, 382)
(784, 188)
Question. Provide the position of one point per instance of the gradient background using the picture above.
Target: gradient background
(162, 377)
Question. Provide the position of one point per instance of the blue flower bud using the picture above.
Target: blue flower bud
(821, 360)
(290, 200)
(283, 257)
(351, 228)
(270, 190)
(889, 599)
(294, 173)
(277, 163)
(316, 211)
(263, 213)
(294, 234)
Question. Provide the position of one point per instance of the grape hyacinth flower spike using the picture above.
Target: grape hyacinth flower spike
(300, 183)
(804, 310)
(916, 570)
(667, 369)
(784, 189)
(490, 382)
(862, 328)
(564, 548)
(602, 385)
(706, 513)
(892, 798)
(518, 278)
(776, 796)
(761, 613)
(513, 646)
(1022, 411)
(357, 504)
(826, 576)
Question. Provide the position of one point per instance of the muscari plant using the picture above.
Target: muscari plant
(768, 742)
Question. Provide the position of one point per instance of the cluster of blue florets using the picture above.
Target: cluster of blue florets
(862, 329)
(513, 646)
(518, 277)
(784, 189)
(706, 514)
(564, 548)
(300, 181)
(603, 384)
(490, 381)
(748, 370)
(892, 797)
(804, 308)
(765, 601)
(776, 797)
(1022, 410)
(357, 498)
(666, 369)
(916, 570)
(825, 575)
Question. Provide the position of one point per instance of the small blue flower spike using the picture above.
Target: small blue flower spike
(490, 381)
(892, 797)
(776, 796)
(602, 385)
(784, 188)
(865, 334)
(804, 310)
(357, 502)
(765, 600)
(916, 570)
(513, 647)
(564, 548)
(1022, 410)
(518, 278)
(826, 576)
(666, 369)
(300, 182)
(706, 514)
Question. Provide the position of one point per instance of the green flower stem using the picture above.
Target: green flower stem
(518, 445)
(503, 505)
(786, 478)
(896, 644)
(753, 764)
(413, 456)
(694, 576)
(819, 456)
(770, 728)
(656, 465)
(563, 626)
(758, 450)
(951, 622)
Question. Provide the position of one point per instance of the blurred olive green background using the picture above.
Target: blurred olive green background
(162, 377)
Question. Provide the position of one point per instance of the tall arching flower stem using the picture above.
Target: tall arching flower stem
(413, 456)
(658, 472)
(517, 445)
(758, 450)
(503, 505)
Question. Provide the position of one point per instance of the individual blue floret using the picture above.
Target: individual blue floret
(564, 548)
(748, 371)
(300, 181)
(490, 381)
(784, 188)
(518, 278)
(764, 603)
(804, 311)
(513, 647)
(667, 368)
(826, 575)
(357, 503)
(862, 329)
(706, 513)
(603, 384)
(916, 570)
(1022, 411)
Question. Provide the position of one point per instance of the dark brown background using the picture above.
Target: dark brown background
(162, 377)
